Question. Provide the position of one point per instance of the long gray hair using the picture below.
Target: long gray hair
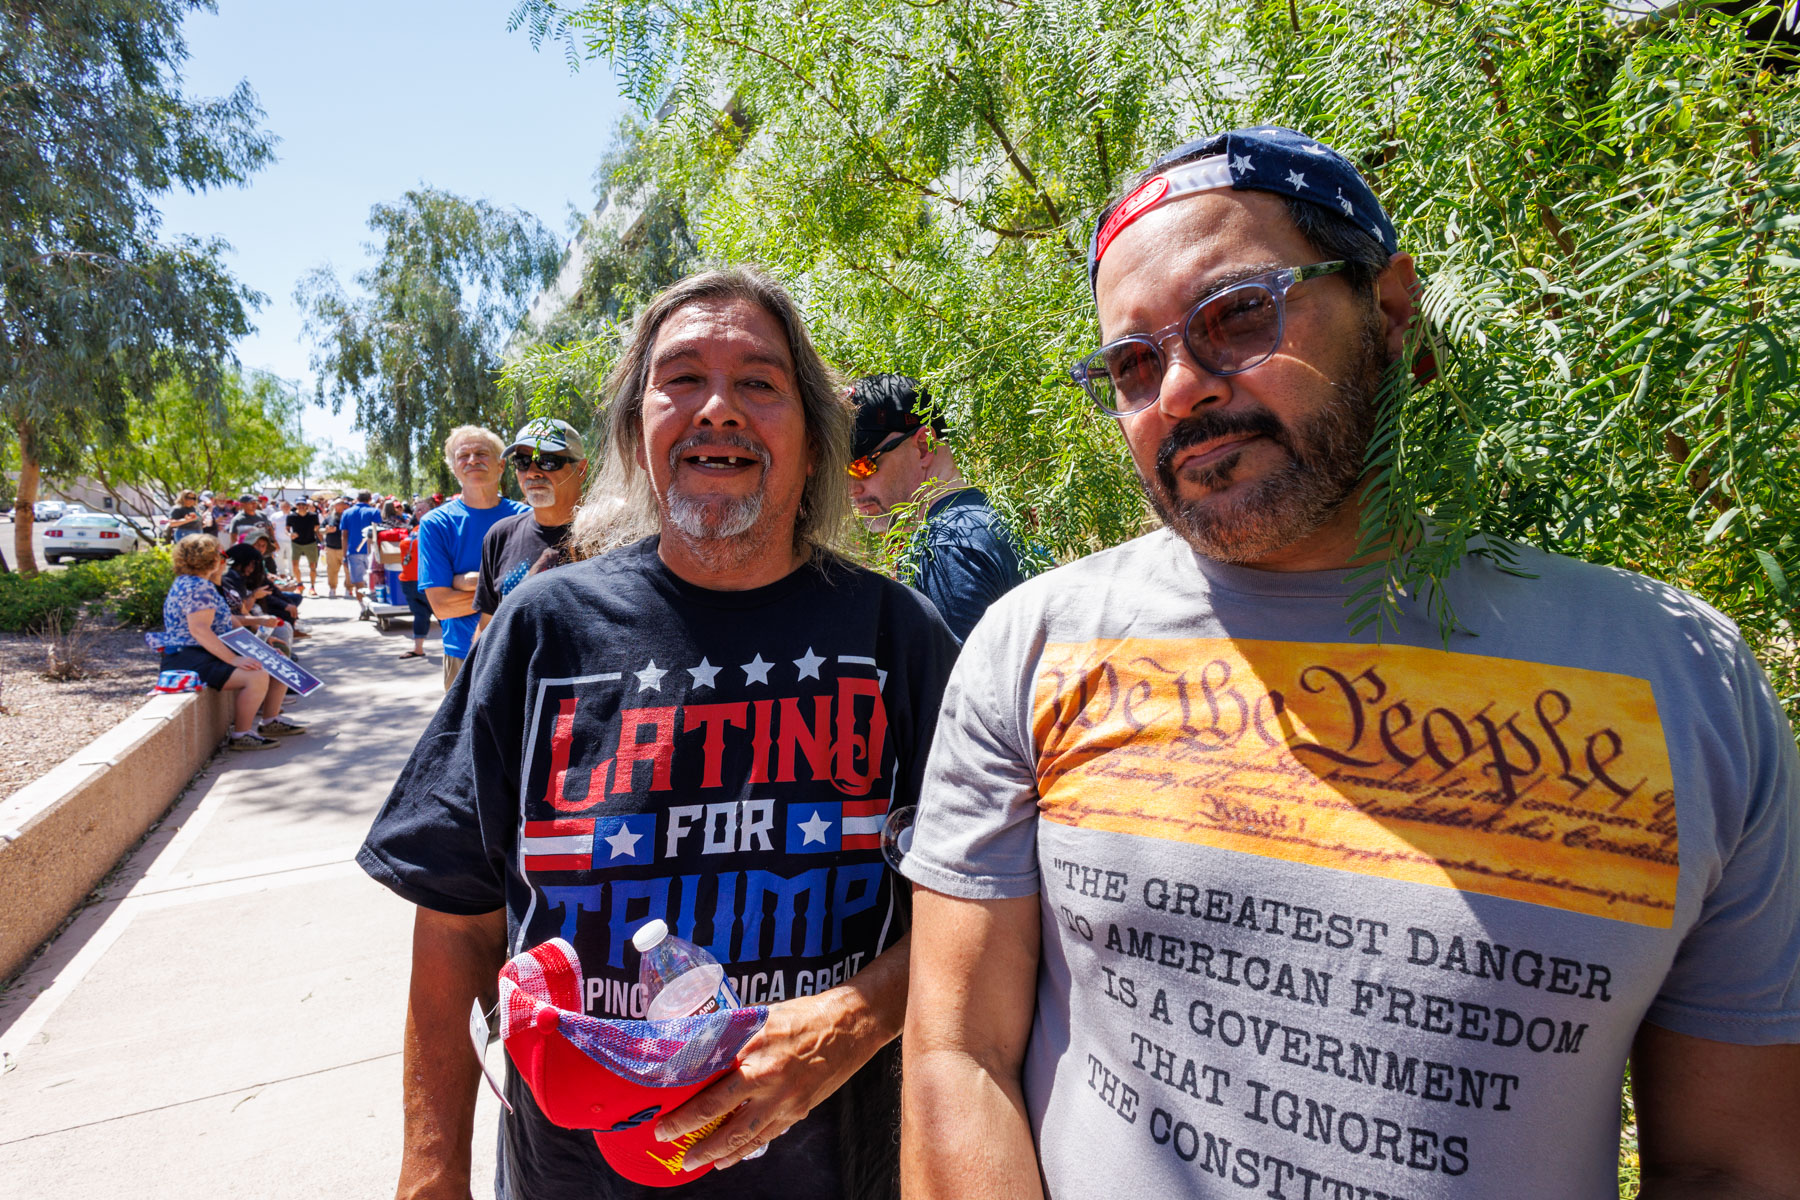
(620, 507)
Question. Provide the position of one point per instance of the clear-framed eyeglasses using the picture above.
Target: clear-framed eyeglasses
(1230, 331)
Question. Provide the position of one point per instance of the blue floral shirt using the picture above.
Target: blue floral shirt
(191, 594)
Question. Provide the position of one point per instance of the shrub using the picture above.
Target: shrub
(51, 599)
(137, 585)
(134, 584)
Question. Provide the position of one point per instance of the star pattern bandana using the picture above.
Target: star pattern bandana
(1265, 158)
(609, 1076)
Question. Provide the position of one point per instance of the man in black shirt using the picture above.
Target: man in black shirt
(551, 463)
(303, 534)
(334, 543)
(707, 725)
(961, 554)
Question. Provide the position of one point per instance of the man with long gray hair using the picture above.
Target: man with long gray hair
(704, 721)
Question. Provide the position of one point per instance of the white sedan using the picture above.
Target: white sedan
(90, 535)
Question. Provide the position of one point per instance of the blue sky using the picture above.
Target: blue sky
(371, 98)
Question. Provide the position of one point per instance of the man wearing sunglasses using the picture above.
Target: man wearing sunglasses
(551, 464)
(1221, 897)
(961, 555)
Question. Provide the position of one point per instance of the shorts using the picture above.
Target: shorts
(358, 565)
(213, 671)
(452, 668)
(310, 552)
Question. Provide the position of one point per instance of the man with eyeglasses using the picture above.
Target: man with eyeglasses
(451, 535)
(961, 555)
(1220, 897)
(551, 464)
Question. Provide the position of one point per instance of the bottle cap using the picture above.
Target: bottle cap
(649, 934)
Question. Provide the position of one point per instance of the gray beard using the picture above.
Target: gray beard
(714, 520)
(1325, 465)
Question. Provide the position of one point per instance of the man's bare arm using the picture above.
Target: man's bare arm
(1716, 1120)
(964, 1130)
(455, 959)
(450, 602)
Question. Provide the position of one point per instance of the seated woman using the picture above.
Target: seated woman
(195, 620)
(246, 589)
(253, 571)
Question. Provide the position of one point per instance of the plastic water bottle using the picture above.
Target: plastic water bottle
(679, 978)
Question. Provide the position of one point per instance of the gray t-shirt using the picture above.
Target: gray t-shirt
(1330, 918)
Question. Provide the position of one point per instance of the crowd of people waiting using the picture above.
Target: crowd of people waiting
(456, 559)
(249, 563)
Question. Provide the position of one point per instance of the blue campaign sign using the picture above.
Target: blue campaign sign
(299, 680)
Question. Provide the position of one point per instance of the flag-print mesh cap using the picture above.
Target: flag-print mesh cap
(612, 1077)
(1266, 158)
(547, 434)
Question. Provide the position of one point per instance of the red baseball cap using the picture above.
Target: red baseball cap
(613, 1077)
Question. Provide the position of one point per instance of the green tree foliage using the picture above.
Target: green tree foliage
(246, 435)
(96, 309)
(418, 351)
(637, 242)
(1602, 207)
(352, 471)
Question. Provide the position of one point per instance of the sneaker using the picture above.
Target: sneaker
(280, 727)
(248, 741)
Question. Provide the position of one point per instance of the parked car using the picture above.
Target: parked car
(90, 535)
(48, 510)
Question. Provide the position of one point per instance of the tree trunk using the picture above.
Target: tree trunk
(24, 556)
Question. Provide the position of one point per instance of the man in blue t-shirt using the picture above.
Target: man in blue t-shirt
(961, 555)
(450, 539)
(356, 521)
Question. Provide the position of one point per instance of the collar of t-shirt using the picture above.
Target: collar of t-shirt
(676, 588)
(1253, 581)
(955, 498)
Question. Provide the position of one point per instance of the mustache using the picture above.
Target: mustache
(1204, 428)
(736, 441)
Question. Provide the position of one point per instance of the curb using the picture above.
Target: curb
(61, 833)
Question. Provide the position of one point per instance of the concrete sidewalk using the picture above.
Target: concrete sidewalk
(227, 1021)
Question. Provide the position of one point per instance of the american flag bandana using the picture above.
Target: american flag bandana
(1264, 158)
(543, 987)
(613, 1078)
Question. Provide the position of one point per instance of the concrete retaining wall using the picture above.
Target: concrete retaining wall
(61, 834)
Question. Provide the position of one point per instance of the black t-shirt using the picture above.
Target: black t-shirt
(303, 528)
(509, 551)
(964, 559)
(722, 760)
(334, 536)
(180, 511)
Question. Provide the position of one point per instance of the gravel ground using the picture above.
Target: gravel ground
(43, 722)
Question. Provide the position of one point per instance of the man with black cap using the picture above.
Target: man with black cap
(550, 461)
(1220, 897)
(962, 556)
(249, 522)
